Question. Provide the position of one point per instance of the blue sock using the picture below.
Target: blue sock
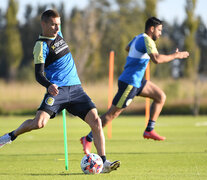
(89, 137)
(150, 125)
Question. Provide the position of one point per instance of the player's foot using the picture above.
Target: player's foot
(110, 166)
(5, 139)
(86, 145)
(153, 135)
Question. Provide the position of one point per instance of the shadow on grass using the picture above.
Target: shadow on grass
(61, 174)
(109, 153)
(43, 174)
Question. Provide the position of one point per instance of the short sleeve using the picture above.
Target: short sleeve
(40, 52)
(150, 45)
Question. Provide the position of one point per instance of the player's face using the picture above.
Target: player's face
(157, 32)
(51, 27)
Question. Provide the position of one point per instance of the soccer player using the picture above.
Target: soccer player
(55, 70)
(131, 83)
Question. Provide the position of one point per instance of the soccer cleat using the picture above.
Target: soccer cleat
(5, 139)
(110, 166)
(153, 135)
(86, 145)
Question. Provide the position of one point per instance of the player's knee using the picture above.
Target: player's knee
(96, 125)
(162, 98)
(39, 123)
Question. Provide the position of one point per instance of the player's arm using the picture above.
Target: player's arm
(129, 44)
(40, 77)
(161, 58)
(127, 48)
(40, 53)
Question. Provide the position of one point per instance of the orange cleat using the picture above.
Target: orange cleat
(86, 145)
(153, 135)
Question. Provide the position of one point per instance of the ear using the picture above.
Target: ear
(152, 29)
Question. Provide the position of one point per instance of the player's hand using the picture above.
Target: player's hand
(53, 89)
(181, 54)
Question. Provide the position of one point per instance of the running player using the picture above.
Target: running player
(53, 57)
(131, 83)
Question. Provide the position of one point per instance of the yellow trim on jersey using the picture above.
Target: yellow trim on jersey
(38, 53)
(124, 96)
(38, 50)
(45, 37)
(150, 45)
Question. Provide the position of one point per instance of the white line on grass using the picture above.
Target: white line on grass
(201, 124)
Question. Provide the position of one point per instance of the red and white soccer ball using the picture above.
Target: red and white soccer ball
(91, 164)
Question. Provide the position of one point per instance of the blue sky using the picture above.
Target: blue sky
(168, 10)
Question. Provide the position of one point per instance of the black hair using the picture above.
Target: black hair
(48, 14)
(152, 21)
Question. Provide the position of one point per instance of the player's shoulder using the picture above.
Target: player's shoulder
(39, 46)
(140, 37)
(40, 43)
(147, 38)
(139, 40)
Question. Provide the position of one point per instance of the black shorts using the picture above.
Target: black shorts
(71, 98)
(126, 93)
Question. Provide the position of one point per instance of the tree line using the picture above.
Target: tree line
(97, 29)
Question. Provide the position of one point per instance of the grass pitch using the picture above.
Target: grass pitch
(40, 154)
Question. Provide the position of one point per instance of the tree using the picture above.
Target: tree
(86, 30)
(191, 69)
(150, 8)
(125, 23)
(2, 62)
(202, 43)
(191, 25)
(12, 47)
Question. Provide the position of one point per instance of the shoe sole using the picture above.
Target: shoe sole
(115, 165)
(154, 139)
(1, 145)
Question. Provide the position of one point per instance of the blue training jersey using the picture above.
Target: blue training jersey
(62, 71)
(138, 57)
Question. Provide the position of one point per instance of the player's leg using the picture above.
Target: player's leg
(38, 122)
(94, 122)
(154, 92)
(112, 113)
(50, 106)
(121, 100)
(83, 107)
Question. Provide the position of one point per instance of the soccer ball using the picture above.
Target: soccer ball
(91, 164)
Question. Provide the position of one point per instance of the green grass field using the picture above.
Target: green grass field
(40, 154)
